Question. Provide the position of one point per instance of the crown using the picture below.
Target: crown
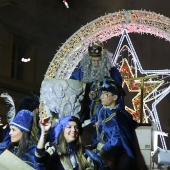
(96, 49)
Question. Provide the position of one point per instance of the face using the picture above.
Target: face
(96, 61)
(15, 134)
(71, 132)
(108, 99)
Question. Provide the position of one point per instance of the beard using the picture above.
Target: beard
(95, 73)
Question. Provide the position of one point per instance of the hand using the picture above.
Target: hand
(45, 124)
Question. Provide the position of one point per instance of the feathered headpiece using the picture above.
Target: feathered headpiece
(110, 85)
(9, 101)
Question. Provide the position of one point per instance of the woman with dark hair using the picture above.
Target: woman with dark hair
(22, 143)
(67, 152)
(30, 103)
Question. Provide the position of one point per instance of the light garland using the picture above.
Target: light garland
(102, 29)
(154, 104)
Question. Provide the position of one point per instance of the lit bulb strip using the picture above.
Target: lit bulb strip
(150, 113)
(115, 57)
(154, 104)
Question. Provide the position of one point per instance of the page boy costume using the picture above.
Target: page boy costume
(114, 126)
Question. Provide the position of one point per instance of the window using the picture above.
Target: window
(17, 70)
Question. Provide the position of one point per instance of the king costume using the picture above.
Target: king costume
(93, 74)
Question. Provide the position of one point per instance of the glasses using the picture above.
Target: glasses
(105, 95)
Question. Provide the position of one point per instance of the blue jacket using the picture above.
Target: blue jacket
(52, 162)
(114, 128)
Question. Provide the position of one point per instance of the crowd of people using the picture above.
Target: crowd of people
(113, 148)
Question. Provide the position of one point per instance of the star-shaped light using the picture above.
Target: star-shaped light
(135, 86)
(154, 90)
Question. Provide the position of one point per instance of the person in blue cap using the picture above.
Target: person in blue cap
(95, 64)
(114, 128)
(67, 152)
(22, 143)
(31, 103)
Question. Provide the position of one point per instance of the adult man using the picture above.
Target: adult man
(114, 128)
(93, 67)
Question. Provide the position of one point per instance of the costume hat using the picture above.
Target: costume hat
(59, 126)
(108, 84)
(23, 120)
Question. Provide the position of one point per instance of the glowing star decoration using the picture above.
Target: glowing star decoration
(153, 90)
(135, 86)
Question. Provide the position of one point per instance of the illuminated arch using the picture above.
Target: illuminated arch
(104, 28)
